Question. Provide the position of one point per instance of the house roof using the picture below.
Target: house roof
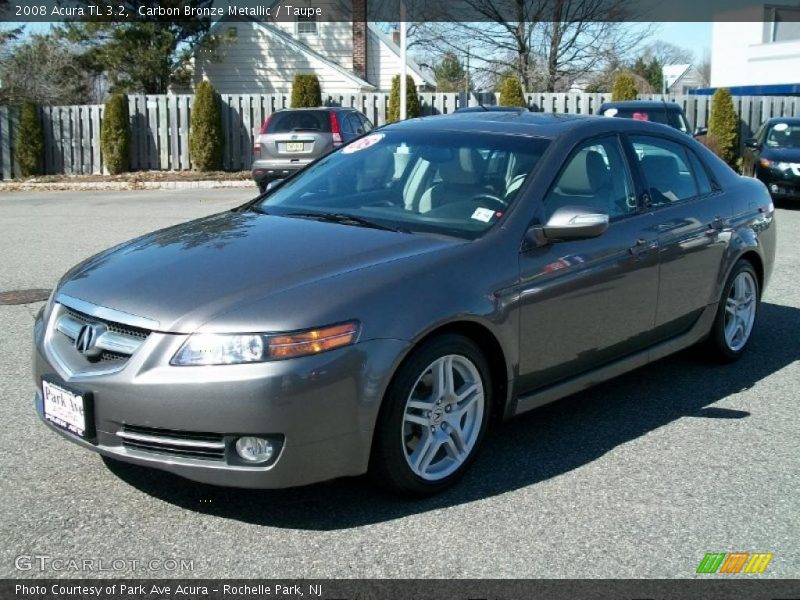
(674, 73)
(389, 43)
(275, 32)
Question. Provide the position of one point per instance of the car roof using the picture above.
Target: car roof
(788, 120)
(634, 104)
(490, 108)
(327, 108)
(542, 125)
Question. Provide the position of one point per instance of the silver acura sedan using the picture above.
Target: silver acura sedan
(377, 310)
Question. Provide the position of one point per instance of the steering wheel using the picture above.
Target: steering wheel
(494, 202)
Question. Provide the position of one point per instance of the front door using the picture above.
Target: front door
(585, 303)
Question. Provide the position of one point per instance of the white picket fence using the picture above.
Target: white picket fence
(160, 124)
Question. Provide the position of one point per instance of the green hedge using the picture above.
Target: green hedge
(205, 130)
(624, 88)
(413, 108)
(306, 91)
(511, 93)
(115, 135)
(30, 141)
(723, 125)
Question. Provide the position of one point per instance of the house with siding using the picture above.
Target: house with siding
(262, 56)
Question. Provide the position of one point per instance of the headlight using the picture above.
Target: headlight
(224, 349)
(771, 164)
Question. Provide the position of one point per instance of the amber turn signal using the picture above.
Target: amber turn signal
(312, 341)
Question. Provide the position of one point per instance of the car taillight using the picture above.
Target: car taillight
(265, 125)
(256, 150)
(337, 133)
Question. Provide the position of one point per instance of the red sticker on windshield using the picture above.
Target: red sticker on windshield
(365, 142)
(640, 116)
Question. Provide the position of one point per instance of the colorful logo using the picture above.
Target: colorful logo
(731, 563)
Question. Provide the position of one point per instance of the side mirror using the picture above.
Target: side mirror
(700, 131)
(751, 143)
(273, 184)
(568, 223)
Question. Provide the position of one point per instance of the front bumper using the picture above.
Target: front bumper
(322, 408)
(781, 184)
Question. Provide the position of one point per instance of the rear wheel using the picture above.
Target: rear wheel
(434, 417)
(736, 315)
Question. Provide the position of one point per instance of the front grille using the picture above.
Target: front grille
(118, 342)
(191, 444)
(112, 326)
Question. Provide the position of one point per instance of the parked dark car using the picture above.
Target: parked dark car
(292, 138)
(655, 111)
(375, 312)
(773, 156)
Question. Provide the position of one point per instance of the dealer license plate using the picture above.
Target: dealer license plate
(65, 409)
(295, 146)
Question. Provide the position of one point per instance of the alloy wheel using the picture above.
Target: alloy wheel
(740, 311)
(443, 416)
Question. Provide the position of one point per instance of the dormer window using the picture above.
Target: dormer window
(307, 25)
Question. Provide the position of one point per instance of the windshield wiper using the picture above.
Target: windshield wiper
(346, 219)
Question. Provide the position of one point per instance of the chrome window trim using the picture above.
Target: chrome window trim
(107, 314)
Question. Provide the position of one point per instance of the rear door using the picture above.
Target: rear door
(297, 134)
(693, 223)
(585, 303)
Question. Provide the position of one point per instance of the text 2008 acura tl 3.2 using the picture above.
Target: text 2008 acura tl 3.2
(374, 312)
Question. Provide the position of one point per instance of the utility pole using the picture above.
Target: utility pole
(403, 60)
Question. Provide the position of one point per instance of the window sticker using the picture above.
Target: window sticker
(610, 112)
(483, 215)
(641, 116)
(365, 142)
(781, 126)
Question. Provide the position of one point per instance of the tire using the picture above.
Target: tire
(439, 432)
(736, 315)
(262, 187)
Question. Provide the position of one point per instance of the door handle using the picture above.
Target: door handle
(643, 246)
(715, 226)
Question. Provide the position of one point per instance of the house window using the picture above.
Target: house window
(781, 23)
(307, 25)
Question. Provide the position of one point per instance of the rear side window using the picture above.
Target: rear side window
(300, 120)
(703, 180)
(678, 121)
(665, 167)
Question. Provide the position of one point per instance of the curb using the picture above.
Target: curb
(124, 185)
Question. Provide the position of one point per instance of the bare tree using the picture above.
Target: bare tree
(668, 54)
(547, 44)
(43, 70)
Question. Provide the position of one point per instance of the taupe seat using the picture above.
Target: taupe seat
(461, 177)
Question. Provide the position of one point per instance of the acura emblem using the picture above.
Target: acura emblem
(86, 342)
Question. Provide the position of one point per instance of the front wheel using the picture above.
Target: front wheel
(433, 419)
(736, 315)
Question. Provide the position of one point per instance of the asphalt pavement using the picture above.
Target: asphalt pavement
(638, 477)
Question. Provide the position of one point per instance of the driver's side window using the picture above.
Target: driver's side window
(597, 177)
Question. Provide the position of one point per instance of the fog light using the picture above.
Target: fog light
(774, 188)
(254, 449)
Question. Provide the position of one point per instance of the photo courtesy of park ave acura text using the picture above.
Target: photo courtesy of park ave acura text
(399, 299)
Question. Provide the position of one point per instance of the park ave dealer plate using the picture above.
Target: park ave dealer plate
(65, 409)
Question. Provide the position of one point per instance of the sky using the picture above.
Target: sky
(694, 36)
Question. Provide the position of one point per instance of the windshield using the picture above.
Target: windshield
(441, 182)
(783, 135)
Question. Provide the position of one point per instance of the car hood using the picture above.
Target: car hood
(791, 155)
(184, 275)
